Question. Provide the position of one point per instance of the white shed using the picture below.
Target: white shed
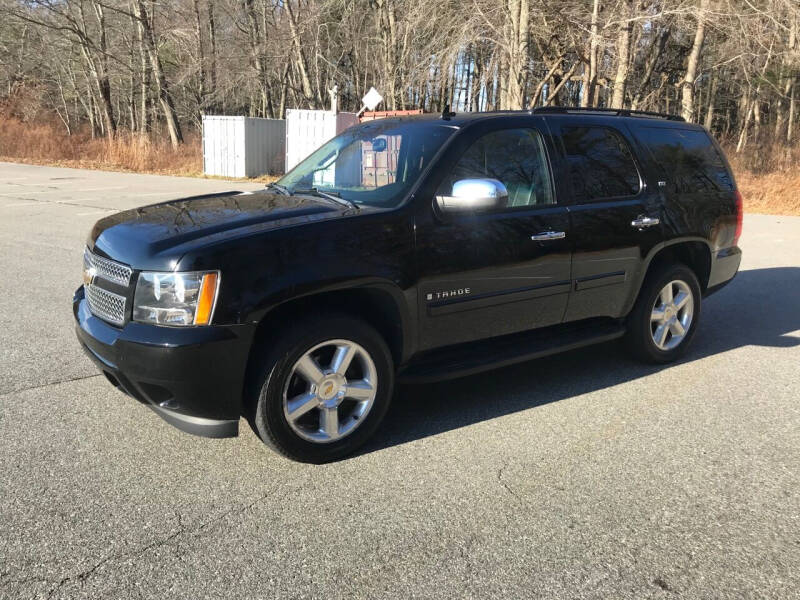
(307, 130)
(243, 146)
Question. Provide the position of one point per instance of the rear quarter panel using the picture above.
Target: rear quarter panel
(693, 209)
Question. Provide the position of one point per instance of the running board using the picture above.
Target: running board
(475, 357)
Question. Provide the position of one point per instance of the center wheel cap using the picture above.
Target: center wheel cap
(330, 387)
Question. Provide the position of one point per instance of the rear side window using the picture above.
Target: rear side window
(601, 164)
(689, 159)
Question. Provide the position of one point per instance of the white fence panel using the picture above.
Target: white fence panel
(307, 130)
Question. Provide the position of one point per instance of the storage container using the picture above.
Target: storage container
(243, 146)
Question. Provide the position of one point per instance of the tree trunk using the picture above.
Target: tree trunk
(623, 50)
(793, 43)
(97, 66)
(656, 50)
(134, 121)
(687, 85)
(743, 133)
(105, 107)
(537, 93)
(201, 60)
(748, 113)
(712, 94)
(144, 116)
(517, 39)
(552, 96)
(282, 106)
(477, 78)
(300, 59)
(590, 76)
(502, 77)
(792, 111)
(90, 112)
(164, 96)
(256, 39)
(212, 64)
(757, 116)
(103, 82)
(387, 25)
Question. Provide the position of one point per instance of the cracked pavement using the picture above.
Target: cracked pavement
(584, 475)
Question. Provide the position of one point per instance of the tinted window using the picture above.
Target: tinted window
(690, 161)
(375, 163)
(601, 163)
(516, 157)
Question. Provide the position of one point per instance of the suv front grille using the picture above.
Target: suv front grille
(107, 269)
(106, 305)
(103, 303)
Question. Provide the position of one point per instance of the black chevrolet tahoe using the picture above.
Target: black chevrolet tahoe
(409, 250)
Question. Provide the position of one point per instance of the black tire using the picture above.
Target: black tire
(273, 365)
(639, 336)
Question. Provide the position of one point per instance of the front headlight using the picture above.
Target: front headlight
(176, 298)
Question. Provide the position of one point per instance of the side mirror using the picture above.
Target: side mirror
(472, 195)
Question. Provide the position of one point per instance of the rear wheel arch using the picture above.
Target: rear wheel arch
(694, 253)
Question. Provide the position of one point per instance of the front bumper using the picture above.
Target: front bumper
(192, 377)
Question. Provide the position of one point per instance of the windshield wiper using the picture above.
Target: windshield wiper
(335, 196)
(281, 188)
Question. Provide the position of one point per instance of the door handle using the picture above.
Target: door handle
(548, 235)
(642, 222)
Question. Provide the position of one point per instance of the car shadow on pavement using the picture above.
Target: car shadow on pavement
(759, 308)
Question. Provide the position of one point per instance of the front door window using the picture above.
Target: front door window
(516, 158)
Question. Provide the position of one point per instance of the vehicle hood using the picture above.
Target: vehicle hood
(154, 237)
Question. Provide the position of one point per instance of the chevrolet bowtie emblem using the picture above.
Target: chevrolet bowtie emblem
(88, 275)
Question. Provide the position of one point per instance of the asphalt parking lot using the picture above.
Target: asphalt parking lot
(584, 475)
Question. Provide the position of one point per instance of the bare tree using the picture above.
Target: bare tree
(153, 66)
(688, 83)
(590, 69)
(623, 54)
(164, 96)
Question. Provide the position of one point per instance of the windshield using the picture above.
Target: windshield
(374, 164)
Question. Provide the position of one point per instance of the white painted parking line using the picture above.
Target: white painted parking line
(97, 212)
(155, 194)
(26, 193)
(59, 190)
(46, 183)
(102, 189)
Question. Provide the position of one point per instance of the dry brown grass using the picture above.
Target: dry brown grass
(768, 176)
(770, 194)
(47, 144)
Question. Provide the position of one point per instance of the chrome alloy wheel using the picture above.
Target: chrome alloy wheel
(672, 315)
(325, 403)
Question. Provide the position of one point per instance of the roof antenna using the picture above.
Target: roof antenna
(446, 114)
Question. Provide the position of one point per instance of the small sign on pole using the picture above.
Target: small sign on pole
(370, 100)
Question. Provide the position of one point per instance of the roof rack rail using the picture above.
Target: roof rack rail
(619, 112)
